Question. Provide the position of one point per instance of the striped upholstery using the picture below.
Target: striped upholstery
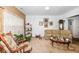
(9, 44)
(4, 47)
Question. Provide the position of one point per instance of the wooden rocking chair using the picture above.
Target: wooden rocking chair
(11, 46)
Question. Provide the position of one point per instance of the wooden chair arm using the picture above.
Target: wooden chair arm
(19, 48)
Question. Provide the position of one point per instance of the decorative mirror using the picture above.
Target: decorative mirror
(61, 24)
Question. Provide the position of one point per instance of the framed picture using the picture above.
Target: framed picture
(45, 25)
(51, 23)
(45, 19)
(41, 23)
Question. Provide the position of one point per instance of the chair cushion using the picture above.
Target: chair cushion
(4, 46)
(10, 41)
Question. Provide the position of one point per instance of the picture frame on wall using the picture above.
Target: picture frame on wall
(45, 19)
(45, 25)
(51, 23)
(45, 22)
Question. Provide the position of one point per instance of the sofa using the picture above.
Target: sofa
(58, 33)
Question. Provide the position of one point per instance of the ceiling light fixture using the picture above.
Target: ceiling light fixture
(47, 8)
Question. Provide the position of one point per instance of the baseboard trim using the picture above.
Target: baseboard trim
(76, 39)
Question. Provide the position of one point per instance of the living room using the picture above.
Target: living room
(39, 25)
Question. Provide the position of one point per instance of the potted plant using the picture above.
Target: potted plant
(19, 38)
(28, 38)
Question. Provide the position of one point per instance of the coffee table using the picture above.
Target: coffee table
(61, 42)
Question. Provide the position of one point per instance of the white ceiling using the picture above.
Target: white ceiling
(40, 10)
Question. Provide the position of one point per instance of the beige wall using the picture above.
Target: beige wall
(37, 29)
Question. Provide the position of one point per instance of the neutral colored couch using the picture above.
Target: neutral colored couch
(58, 33)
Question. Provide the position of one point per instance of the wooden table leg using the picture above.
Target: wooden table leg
(68, 45)
(52, 43)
